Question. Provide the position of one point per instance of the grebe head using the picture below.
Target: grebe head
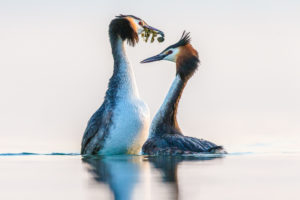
(129, 27)
(182, 53)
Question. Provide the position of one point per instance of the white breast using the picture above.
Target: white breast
(129, 130)
(130, 122)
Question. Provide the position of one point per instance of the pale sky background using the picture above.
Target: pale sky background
(55, 62)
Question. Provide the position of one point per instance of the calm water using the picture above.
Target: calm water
(236, 176)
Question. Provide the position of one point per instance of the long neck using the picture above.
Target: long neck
(165, 121)
(122, 83)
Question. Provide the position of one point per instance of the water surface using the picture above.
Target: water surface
(71, 176)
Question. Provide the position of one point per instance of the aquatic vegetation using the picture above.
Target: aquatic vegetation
(147, 33)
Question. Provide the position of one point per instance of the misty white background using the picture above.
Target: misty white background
(55, 62)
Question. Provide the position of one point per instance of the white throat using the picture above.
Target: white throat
(128, 87)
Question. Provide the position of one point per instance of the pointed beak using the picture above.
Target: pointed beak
(154, 29)
(154, 58)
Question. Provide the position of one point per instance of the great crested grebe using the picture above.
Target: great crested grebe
(165, 135)
(121, 124)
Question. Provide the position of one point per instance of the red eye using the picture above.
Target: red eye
(140, 23)
(169, 52)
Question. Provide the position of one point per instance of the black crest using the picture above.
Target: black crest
(123, 16)
(184, 40)
(122, 27)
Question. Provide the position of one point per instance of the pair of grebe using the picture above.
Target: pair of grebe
(121, 124)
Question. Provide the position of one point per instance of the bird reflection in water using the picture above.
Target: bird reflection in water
(122, 173)
(168, 166)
